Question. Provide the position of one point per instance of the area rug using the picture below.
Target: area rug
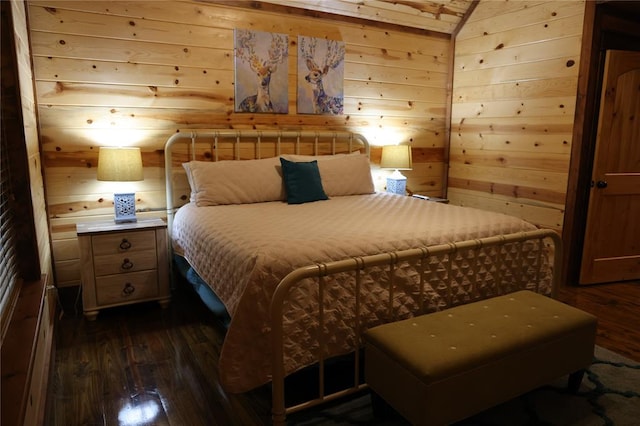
(609, 395)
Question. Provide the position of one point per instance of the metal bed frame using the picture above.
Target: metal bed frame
(423, 257)
(445, 254)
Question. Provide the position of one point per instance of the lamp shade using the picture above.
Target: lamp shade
(396, 157)
(120, 164)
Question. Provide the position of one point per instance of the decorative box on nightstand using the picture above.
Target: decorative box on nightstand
(122, 264)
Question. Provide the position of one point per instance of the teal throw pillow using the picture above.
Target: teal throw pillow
(302, 181)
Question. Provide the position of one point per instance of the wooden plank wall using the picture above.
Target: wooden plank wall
(513, 103)
(28, 104)
(133, 73)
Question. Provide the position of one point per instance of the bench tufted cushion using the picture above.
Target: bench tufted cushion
(450, 364)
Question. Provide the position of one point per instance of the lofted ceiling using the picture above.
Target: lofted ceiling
(441, 16)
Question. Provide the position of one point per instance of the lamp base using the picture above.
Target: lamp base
(397, 186)
(125, 207)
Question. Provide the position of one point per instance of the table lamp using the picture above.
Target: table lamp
(396, 157)
(121, 165)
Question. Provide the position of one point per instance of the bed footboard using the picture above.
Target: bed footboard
(466, 260)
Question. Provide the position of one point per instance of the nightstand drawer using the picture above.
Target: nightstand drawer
(125, 262)
(123, 242)
(125, 288)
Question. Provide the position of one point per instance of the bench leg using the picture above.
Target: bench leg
(575, 379)
(381, 408)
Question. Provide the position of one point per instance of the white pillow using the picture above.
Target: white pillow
(235, 181)
(341, 174)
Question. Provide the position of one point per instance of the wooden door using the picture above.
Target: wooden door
(612, 240)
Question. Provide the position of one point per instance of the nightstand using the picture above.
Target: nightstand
(122, 264)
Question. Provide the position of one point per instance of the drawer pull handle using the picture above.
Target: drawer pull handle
(128, 290)
(126, 264)
(125, 244)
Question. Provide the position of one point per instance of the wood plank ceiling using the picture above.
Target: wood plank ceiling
(441, 16)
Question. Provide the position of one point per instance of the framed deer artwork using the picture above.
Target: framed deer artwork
(320, 76)
(261, 71)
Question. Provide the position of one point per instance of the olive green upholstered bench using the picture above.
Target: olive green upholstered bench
(446, 366)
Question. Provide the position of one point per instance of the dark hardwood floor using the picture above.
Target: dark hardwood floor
(617, 306)
(142, 365)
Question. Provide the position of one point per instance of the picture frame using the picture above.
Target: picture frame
(261, 72)
(320, 82)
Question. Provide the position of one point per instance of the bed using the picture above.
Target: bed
(302, 269)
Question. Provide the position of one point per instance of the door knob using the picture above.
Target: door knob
(601, 184)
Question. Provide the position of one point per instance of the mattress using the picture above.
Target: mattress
(243, 251)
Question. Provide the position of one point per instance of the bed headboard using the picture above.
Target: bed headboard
(227, 144)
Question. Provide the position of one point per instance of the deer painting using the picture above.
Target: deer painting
(262, 64)
(319, 66)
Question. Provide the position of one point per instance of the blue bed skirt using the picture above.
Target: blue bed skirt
(201, 288)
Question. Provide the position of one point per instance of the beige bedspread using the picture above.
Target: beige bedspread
(243, 251)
